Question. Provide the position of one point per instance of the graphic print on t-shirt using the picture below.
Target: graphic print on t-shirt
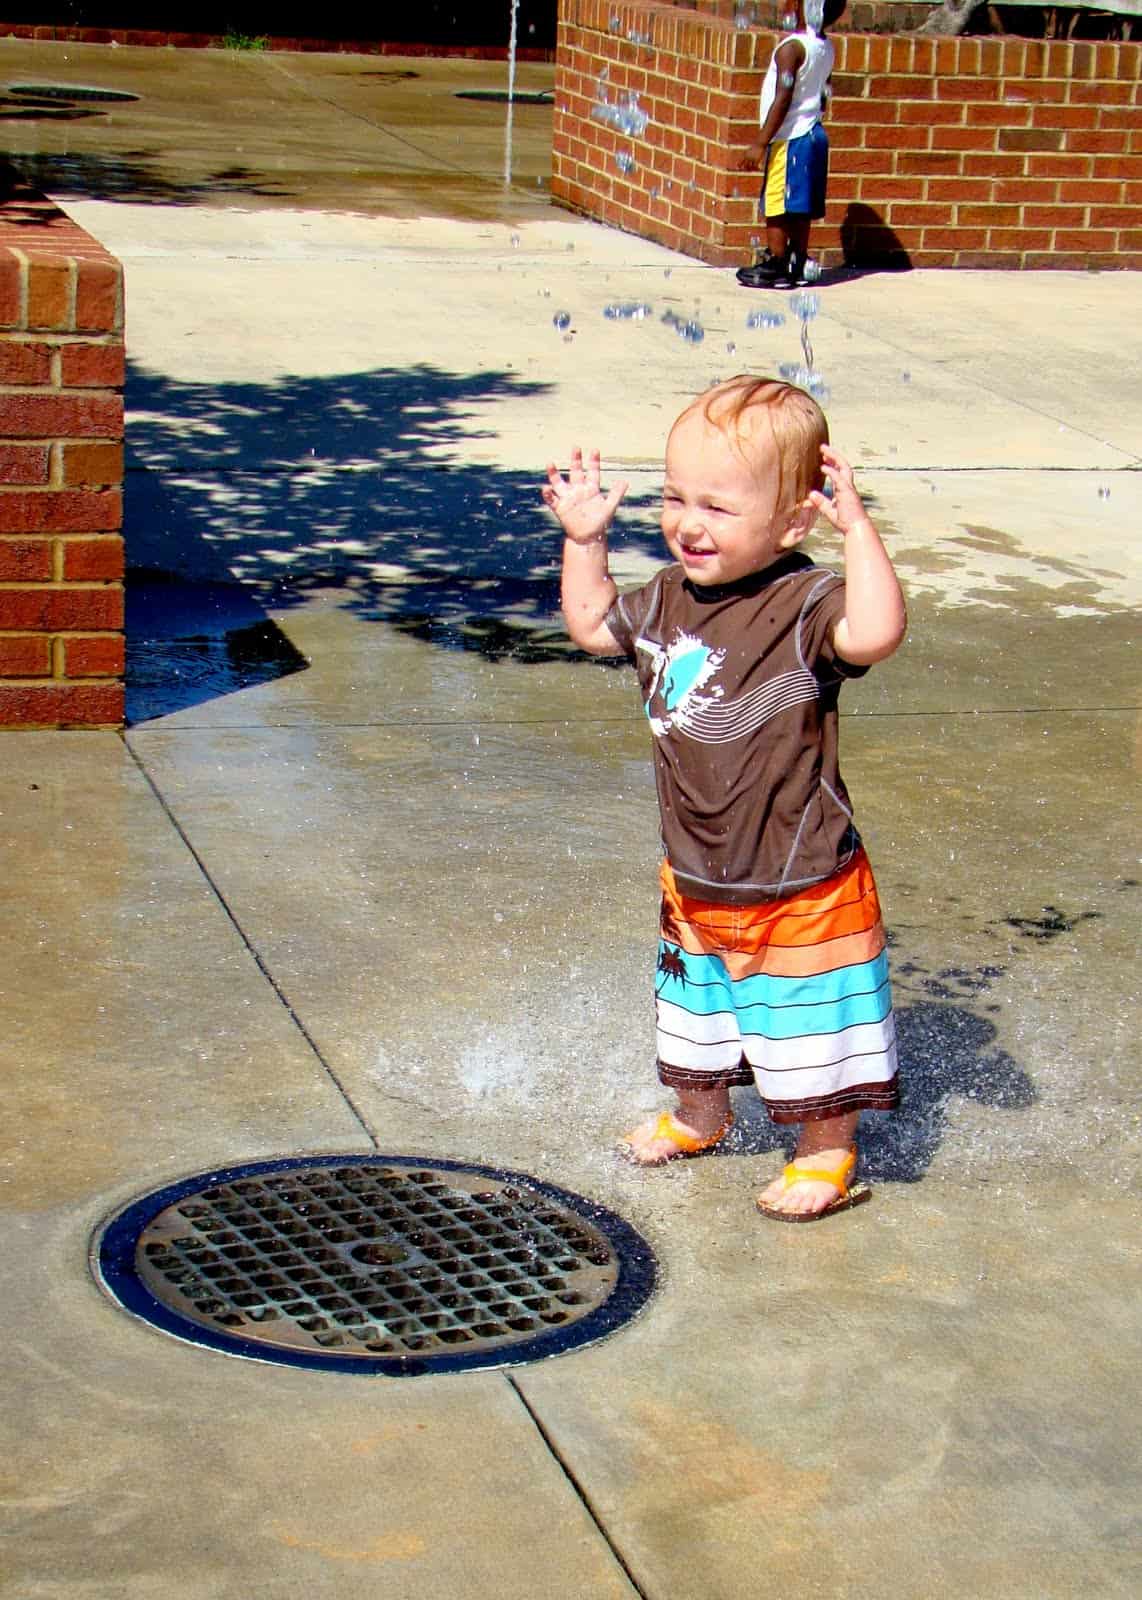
(681, 673)
(678, 675)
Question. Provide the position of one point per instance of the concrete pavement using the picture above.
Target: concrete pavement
(402, 898)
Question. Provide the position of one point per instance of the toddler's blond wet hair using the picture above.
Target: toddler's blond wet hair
(753, 412)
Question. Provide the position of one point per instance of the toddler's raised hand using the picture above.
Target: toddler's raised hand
(845, 509)
(584, 511)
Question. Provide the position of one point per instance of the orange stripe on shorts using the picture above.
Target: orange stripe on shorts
(833, 924)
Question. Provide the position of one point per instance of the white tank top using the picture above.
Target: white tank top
(812, 76)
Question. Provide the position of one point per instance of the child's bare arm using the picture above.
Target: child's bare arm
(585, 513)
(790, 55)
(875, 619)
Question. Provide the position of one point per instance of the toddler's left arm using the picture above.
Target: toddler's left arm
(875, 619)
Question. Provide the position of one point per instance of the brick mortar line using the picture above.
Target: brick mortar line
(57, 389)
(62, 337)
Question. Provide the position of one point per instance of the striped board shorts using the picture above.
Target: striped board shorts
(796, 175)
(792, 995)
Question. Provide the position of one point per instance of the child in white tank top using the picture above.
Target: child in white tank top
(792, 147)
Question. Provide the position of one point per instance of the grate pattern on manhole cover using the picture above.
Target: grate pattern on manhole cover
(376, 1264)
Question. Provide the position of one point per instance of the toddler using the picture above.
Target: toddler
(772, 965)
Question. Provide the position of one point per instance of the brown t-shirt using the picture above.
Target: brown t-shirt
(740, 684)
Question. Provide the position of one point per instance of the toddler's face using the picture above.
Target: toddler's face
(719, 512)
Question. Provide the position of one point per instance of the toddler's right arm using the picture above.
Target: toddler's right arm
(585, 513)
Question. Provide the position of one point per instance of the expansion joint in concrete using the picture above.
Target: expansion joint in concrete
(575, 1484)
(255, 955)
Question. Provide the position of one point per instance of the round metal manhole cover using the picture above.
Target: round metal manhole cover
(67, 91)
(375, 1264)
(527, 97)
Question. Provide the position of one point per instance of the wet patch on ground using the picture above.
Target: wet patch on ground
(1010, 655)
(972, 564)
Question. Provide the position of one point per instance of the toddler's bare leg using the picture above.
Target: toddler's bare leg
(821, 1144)
(700, 1114)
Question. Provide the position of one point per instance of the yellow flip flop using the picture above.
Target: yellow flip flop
(848, 1195)
(685, 1144)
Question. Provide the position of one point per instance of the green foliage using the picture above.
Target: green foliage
(233, 40)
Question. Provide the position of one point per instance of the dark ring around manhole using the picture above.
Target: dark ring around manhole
(396, 1265)
(526, 97)
(67, 91)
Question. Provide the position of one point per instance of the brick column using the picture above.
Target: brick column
(61, 473)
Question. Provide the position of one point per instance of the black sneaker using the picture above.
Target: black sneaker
(762, 274)
(792, 274)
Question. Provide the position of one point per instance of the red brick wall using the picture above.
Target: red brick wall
(61, 473)
(966, 152)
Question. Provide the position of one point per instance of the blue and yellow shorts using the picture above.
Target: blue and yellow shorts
(796, 173)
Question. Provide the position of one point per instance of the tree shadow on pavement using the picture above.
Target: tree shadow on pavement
(355, 483)
(134, 177)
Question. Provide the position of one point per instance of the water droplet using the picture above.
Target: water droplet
(731, 349)
(806, 378)
(666, 271)
(624, 161)
(515, 241)
(906, 377)
(562, 320)
(1104, 493)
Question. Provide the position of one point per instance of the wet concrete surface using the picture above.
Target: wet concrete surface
(381, 136)
(400, 896)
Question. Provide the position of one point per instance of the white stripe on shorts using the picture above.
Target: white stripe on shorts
(785, 1069)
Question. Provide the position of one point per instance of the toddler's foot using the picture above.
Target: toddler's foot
(667, 1137)
(813, 1186)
